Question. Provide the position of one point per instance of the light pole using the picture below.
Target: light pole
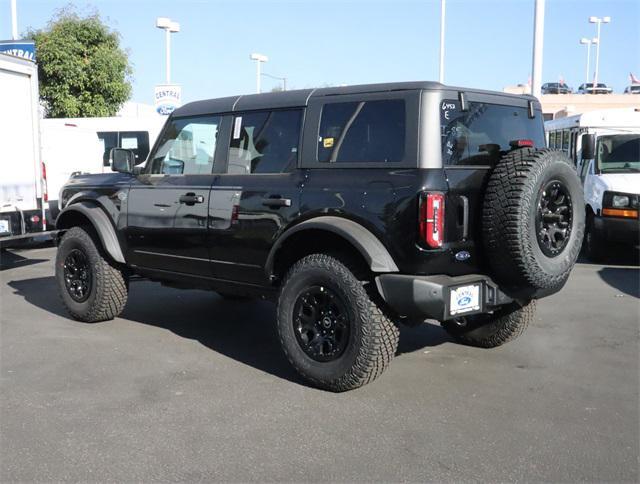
(588, 42)
(169, 26)
(598, 21)
(14, 20)
(442, 16)
(259, 58)
(283, 79)
(538, 33)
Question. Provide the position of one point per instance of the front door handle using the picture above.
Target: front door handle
(191, 199)
(276, 202)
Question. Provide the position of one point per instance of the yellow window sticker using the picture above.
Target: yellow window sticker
(327, 142)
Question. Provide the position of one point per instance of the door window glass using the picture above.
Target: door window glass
(109, 140)
(366, 131)
(264, 142)
(136, 141)
(187, 146)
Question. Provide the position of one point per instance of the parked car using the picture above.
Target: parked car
(600, 88)
(355, 208)
(632, 89)
(556, 88)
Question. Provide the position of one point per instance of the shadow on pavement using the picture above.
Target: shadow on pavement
(624, 279)
(13, 260)
(619, 256)
(242, 330)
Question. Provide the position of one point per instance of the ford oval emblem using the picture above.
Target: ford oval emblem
(462, 255)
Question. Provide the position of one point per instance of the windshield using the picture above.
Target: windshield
(618, 153)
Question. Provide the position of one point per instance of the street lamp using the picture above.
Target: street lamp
(598, 21)
(169, 26)
(588, 42)
(283, 79)
(259, 58)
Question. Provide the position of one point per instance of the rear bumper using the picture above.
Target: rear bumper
(428, 297)
(621, 230)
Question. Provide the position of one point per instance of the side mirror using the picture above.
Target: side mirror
(588, 146)
(122, 160)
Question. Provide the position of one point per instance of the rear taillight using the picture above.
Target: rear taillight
(521, 143)
(431, 223)
(45, 193)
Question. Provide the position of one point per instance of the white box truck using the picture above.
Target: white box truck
(23, 191)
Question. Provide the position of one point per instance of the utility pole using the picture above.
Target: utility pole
(259, 58)
(538, 36)
(14, 20)
(442, 18)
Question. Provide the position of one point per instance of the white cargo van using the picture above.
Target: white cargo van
(67, 149)
(605, 145)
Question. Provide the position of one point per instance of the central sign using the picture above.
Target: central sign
(167, 98)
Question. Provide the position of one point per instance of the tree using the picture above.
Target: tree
(82, 70)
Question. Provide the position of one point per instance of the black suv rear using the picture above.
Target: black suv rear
(356, 208)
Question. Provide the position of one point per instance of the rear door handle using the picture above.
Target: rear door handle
(191, 199)
(276, 202)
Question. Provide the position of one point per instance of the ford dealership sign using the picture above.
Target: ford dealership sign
(167, 98)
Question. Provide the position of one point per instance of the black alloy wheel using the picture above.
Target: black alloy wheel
(554, 218)
(77, 275)
(321, 323)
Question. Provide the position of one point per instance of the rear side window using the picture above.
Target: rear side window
(480, 135)
(366, 131)
(264, 142)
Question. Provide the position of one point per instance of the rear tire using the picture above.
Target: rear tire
(330, 328)
(492, 330)
(91, 287)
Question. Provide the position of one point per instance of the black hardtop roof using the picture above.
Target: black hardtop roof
(300, 97)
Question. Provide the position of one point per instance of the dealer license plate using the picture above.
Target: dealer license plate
(464, 299)
(4, 226)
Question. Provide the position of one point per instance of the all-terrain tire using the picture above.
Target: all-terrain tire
(593, 241)
(108, 286)
(491, 330)
(510, 210)
(373, 337)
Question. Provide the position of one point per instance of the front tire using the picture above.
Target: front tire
(492, 330)
(330, 328)
(91, 287)
(593, 241)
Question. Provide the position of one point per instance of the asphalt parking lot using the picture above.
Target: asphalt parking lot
(188, 387)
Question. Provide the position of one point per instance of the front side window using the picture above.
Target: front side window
(264, 142)
(483, 133)
(366, 131)
(187, 146)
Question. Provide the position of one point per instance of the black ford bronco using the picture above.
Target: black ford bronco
(355, 208)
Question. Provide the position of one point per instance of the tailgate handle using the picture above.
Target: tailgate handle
(465, 216)
(276, 202)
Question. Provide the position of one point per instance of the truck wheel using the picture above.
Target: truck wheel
(491, 330)
(533, 220)
(593, 242)
(330, 328)
(91, 288)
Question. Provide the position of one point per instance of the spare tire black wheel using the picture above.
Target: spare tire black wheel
(533, 220)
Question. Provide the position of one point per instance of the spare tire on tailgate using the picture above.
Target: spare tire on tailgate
(533, 221)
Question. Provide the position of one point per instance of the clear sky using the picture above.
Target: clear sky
(332, 42)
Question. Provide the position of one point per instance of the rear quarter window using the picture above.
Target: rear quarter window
(482, 134)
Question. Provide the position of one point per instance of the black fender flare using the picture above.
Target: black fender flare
(101, 224)
(373, 251)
